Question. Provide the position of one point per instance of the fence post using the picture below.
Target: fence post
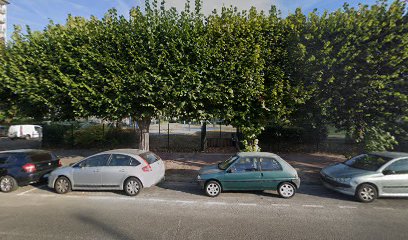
(168, 136)
(220, 129)
(72, 135)
(203, 136)
(159, 127)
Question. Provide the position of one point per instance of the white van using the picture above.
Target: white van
(25, 131)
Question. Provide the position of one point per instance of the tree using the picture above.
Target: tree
(366, 75)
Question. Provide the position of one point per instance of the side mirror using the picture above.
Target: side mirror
(388, 172)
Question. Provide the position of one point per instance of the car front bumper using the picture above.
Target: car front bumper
(51, 180)
(338, 187)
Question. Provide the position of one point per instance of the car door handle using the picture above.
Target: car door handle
(96, 170)
(122, 170)
(262, 174)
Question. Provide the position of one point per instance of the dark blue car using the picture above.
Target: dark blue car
(25, 166)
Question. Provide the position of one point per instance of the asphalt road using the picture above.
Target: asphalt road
(181, 211)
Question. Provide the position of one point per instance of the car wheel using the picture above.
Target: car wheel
(8, 184)
(62, 185)
(286, 190)
(132, 186)
(212, 188)
(366, 193)
(27, 137)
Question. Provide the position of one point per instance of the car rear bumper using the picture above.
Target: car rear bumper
(33, 178)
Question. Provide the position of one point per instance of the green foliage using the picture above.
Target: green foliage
(251, 146)
(347, 68)
(57, 134)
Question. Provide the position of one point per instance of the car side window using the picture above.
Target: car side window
(95, 161)
(399, 167)
(245, 164)
(3, 158)
(270, 164)
(121, 160)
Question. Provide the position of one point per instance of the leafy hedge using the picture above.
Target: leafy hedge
(95, 136)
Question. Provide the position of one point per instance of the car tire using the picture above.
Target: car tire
(132, 186)
(27, 137)
(366, 193)
(286, 190)
(62, 185)
(212, 188)
(8, 184)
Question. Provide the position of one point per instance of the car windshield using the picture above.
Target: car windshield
(225, 164)
(367, 162)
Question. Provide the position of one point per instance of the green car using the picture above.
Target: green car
(250, 171)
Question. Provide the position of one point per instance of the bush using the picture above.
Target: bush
(57, 134)
(92, 136)
(97, 136)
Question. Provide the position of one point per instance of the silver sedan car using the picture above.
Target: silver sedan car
(122, 169)
(369, 176)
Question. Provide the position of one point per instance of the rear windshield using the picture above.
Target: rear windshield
(41, 156)
(367, 162)
(150, 157)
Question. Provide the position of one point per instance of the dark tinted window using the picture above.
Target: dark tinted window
(13, 158)
(96, 161)
(3, 158)
(40, 156)
(150, 157)
(122, 160)
(270, 164)
(245, 164)
(400, 167)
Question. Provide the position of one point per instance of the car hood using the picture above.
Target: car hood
(341, 170)
(210, 169)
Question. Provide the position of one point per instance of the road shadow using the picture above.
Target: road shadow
(106, 228)
(195, 189)
(318, 190)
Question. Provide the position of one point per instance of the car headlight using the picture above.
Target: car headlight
(343, 180)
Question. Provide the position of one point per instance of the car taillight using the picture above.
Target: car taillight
(59, 163)
(147, 168)
(29, 168)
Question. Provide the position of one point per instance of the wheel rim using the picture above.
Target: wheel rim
(62, 185)
(132, 187)
(286, 190)
(213, 189)
(6, 184)
(367, 194)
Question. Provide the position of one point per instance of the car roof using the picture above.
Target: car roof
(257, 154)
(392, 155)
(133, 151)
(27, 151)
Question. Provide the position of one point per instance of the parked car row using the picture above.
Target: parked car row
(366, 176)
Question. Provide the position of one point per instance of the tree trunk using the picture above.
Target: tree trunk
(144, 124)
(204, 136)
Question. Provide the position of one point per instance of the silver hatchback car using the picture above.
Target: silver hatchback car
(122, 169)
(369, 176)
